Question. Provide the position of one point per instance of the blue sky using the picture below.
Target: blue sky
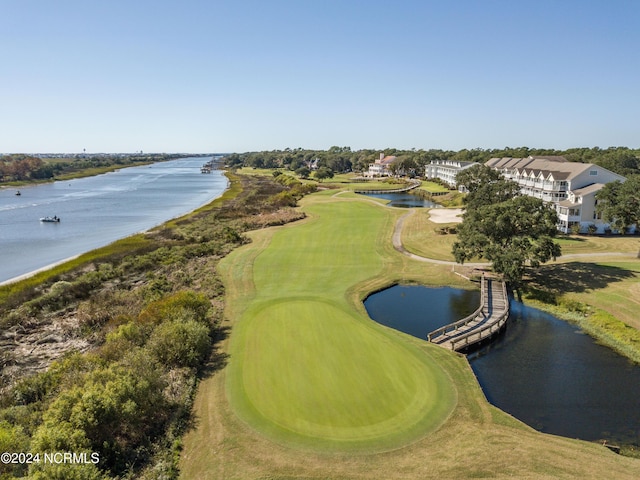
(236, 75)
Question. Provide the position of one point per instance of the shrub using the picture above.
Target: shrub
(284, 199)
(132, 332)
(116, 412)
(180, 343)
(572, 305)
(66, 471)
(12, 439)
(180, 306)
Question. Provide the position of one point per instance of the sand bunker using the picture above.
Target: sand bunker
(445, 215)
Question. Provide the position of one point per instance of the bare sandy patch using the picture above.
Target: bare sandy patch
(445, 215)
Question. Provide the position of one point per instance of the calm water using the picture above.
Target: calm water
(404, 200)
(542, 370)
(408, 309)
(96, 211)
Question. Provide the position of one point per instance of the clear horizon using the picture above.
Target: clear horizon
(224, 76)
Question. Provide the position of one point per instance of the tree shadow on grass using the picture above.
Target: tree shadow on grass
(576, 277)
(218, 359)
(570, 240)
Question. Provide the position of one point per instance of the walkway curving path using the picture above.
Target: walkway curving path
(397, 244)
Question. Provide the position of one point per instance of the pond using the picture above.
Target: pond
(405, 200)
(542, 370)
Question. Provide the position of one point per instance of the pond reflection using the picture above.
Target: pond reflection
(542, 370)
(405, 200)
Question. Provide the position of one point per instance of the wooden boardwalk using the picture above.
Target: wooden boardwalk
(487, 320)
(413, 185)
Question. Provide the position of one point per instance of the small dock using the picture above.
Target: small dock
(208, 167)
(485, 322)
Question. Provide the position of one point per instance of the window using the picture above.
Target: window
(593, 173)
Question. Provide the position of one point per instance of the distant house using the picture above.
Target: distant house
(312, 164)
(380, 168)
(570, 186)
(447, 171)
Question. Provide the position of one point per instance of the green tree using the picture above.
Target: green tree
(303, 172)
(511, 235)
(323, 173)
(404, 165)
(486, 186)
(619, 203)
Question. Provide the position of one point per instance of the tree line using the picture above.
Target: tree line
(25, 168)
(621, 160)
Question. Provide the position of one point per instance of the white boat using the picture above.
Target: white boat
(54, 219)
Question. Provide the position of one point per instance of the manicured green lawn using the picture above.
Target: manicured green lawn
(314, 388)
(433, 187)
(306, 367)
(579, 244)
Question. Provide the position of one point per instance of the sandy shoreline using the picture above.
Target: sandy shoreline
(34, 272)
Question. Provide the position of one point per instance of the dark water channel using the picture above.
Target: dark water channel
(541, 370)
(404, 200)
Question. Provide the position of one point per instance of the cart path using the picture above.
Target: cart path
(397, 244)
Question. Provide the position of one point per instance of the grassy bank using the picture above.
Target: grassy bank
(602, 297)
(306, 391)
(103, 354)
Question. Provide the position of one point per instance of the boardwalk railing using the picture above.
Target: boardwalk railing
(453, 327)
(482, 324)
(413, 185)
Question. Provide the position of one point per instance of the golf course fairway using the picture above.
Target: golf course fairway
(307, 367)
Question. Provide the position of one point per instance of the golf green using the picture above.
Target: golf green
(309, 369)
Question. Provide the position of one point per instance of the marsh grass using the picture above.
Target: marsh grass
(602, 297)
(103, 301)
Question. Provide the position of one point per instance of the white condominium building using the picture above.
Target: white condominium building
(447, 170)
(570, 186)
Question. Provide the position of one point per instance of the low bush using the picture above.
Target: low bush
(130, 397)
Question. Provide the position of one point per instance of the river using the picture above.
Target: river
(96, 211)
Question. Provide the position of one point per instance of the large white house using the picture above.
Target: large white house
(380, 168)
(570, 186)
(447, 171)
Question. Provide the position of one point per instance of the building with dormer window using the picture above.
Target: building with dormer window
(570, 186)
